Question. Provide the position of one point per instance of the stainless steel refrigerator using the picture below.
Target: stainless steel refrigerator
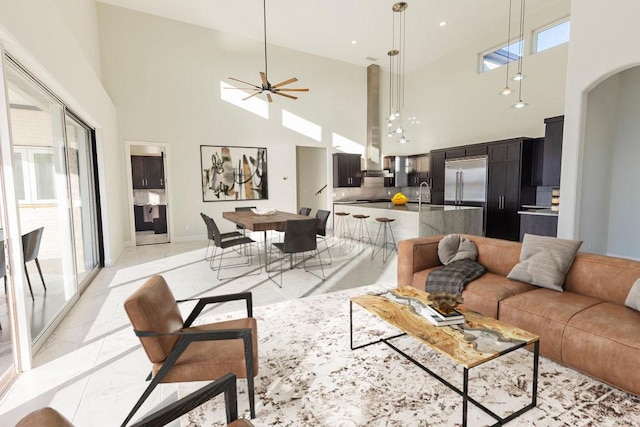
(465, 181)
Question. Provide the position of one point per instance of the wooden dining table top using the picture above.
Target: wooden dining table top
(255, 222)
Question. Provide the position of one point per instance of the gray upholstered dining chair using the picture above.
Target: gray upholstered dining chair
(299, 237)
(210, 235)
(222, 244)
(30, 250)
(323, 217)
(304, 211)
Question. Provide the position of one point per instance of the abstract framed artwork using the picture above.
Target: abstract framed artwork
(233, 173)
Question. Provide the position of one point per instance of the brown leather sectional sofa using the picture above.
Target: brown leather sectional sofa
(586, 327)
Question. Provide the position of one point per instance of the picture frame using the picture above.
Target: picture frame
(232, 173)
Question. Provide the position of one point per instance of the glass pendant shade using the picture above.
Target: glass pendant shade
(506, 91)
(519, 104)
(518, 76)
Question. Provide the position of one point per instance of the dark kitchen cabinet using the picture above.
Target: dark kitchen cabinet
(509, 186)
(552, 158)
(419, 167)
(437, 177)
(389, 164)
(346, 170)
(478, 150)
(470, 151)
(454, 154)
(147, 172)
(537, 159)
(540, 225)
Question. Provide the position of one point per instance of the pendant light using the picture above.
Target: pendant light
(519, 76)
(396, 74)
(507, 90)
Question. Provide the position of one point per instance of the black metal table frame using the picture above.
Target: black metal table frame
(465, 381)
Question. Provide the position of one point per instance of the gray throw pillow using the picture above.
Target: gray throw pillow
(545, 261)
(454, 247)
(633, 298)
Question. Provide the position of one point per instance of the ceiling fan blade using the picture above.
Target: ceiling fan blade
(294, 89)
(286, 82)
(269, 97)
(285, 94)
(247, 83)
(244, 88)
(253, 94)
(263, 76)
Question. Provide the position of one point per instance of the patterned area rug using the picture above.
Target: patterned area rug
(310, 377)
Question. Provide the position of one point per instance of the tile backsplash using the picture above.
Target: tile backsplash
(149, 197)
(543, 196)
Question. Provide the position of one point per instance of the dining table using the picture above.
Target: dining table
(262, 222)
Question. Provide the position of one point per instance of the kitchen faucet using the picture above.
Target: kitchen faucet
(426, 184)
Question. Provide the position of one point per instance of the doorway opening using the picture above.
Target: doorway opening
(148, 184)
(311, 188)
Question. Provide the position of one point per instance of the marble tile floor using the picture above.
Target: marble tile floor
(92, 369)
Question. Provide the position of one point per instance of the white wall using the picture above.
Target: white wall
(603, 42)
(599, 143)
(81, 18)
(36, 33)
(164, 76)
(458, 106)
(624, 229)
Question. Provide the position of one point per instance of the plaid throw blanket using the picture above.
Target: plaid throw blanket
(453, 277)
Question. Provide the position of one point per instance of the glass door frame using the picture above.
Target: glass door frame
(16, 295)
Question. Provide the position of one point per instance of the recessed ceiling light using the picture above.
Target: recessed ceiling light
(443, 23)
(354, 41)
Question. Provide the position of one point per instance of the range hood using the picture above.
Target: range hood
(372, 153)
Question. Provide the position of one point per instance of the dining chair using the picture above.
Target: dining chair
(299, 237)
(180, 352)
(30, 250)
(323, 217)
(223, 244)
(304, 211)
(49, 417)
(210, 235)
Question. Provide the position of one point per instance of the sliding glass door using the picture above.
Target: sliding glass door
(53, 174)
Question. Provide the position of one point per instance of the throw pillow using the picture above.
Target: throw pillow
(544, 261)
(454, 247)
(633, 299)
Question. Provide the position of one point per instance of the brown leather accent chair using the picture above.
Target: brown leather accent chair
(180, 352)
(49, 417)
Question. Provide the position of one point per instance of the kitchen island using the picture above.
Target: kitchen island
(412, 220)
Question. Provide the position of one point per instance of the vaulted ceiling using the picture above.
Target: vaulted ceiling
(328, 27)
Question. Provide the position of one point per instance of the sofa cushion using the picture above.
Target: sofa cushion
(454, 247)
(545, 313)
(592, 274)
(603, 341)
(485, 293)
(544, 261)
(633, 299)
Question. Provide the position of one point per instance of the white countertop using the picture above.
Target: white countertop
(409, 207)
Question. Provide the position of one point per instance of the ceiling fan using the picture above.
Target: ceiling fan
(265, 86)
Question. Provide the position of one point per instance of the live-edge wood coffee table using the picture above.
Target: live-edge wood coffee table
(401, 308)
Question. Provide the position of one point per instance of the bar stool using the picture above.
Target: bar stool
(359, 237)
(386, 223)
(339, 226)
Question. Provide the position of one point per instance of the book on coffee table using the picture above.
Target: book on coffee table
(454, 315)
(441, 322)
